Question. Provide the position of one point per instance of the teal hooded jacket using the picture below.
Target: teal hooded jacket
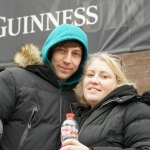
(61, 33)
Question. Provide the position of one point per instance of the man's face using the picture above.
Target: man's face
(65, 61)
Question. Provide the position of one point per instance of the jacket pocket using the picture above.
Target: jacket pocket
(32, 119)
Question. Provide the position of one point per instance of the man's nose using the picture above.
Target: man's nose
(67, 58)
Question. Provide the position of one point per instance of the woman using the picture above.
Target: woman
(113, 116)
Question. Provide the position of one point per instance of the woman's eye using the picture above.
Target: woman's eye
(89, 75)
(104, 77)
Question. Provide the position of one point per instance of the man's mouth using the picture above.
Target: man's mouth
(64, 68)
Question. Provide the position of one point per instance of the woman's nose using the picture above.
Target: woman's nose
(95, 80)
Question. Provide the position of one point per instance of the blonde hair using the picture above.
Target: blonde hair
(114, 62)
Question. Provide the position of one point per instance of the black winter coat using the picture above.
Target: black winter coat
(32, 108)
(118, 122)
(32, 112)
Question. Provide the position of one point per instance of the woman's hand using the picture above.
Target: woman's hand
(72, 144)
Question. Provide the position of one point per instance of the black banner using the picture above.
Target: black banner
(116, 26)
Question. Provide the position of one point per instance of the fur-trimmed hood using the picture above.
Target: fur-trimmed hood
(28, 54)
(28, 57)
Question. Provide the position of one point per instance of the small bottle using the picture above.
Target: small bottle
(69, 128)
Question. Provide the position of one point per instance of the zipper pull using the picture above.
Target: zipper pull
(32, 117)
(29, 126)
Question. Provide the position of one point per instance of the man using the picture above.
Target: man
(36, 96)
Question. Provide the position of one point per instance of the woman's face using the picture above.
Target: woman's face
(98, 82)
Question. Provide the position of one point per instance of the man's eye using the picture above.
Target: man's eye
(61, 50)
(76, 54)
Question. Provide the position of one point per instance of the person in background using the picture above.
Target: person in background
(36, 96)
(114, 116)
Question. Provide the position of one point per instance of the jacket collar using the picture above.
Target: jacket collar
(45, 72)
(121, 95)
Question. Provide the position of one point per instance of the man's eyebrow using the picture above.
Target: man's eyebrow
(60, 47)
(79, 50)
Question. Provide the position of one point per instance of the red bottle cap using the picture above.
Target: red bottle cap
(70, 115)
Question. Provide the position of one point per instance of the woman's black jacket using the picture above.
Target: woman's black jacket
(118, 122)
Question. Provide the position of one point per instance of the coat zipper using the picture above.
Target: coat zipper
(61, 101)
(95, 111)
(28, 127)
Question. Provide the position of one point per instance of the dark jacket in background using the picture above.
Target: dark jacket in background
(118, 122)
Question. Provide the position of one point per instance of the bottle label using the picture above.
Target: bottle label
(69, 131)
